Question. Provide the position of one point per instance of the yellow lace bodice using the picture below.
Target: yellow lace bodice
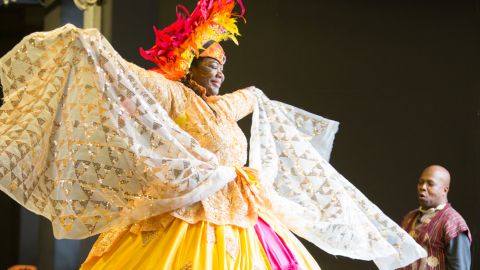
(213, 123)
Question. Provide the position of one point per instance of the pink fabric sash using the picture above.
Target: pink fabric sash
(278, 254)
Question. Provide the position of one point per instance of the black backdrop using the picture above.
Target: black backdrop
(402, 77)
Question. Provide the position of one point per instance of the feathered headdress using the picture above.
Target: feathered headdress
(177, 45)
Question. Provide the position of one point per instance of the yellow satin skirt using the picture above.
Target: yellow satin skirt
(203, 245)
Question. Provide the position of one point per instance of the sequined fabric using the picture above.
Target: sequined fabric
(213, 123)
(86, 144)
(233, 204)
(92, 143)
(311, 198)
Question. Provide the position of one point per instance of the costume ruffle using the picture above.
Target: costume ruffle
(167, 242)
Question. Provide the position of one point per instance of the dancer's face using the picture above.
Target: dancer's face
(208, 72)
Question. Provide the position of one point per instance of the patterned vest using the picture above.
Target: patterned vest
(434, 236)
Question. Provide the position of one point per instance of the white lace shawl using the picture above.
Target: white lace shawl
(70, 152)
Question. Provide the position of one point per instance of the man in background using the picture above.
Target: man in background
(436, 226)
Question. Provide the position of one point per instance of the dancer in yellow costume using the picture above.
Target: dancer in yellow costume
(217, 232)
(99, 145)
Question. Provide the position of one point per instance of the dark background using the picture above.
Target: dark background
(402, 77)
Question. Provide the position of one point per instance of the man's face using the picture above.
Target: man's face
(208, 72)
(431, 189)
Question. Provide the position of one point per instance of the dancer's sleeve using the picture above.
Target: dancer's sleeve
(72, 151)
(287, 148)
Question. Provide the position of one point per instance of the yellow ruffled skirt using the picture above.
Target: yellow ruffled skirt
(168, 242)
(182, 245)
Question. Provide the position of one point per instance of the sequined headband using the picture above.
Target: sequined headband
(213, 50)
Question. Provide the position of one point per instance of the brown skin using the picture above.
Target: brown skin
(205, 71)
(208, 73)
(433, 186)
